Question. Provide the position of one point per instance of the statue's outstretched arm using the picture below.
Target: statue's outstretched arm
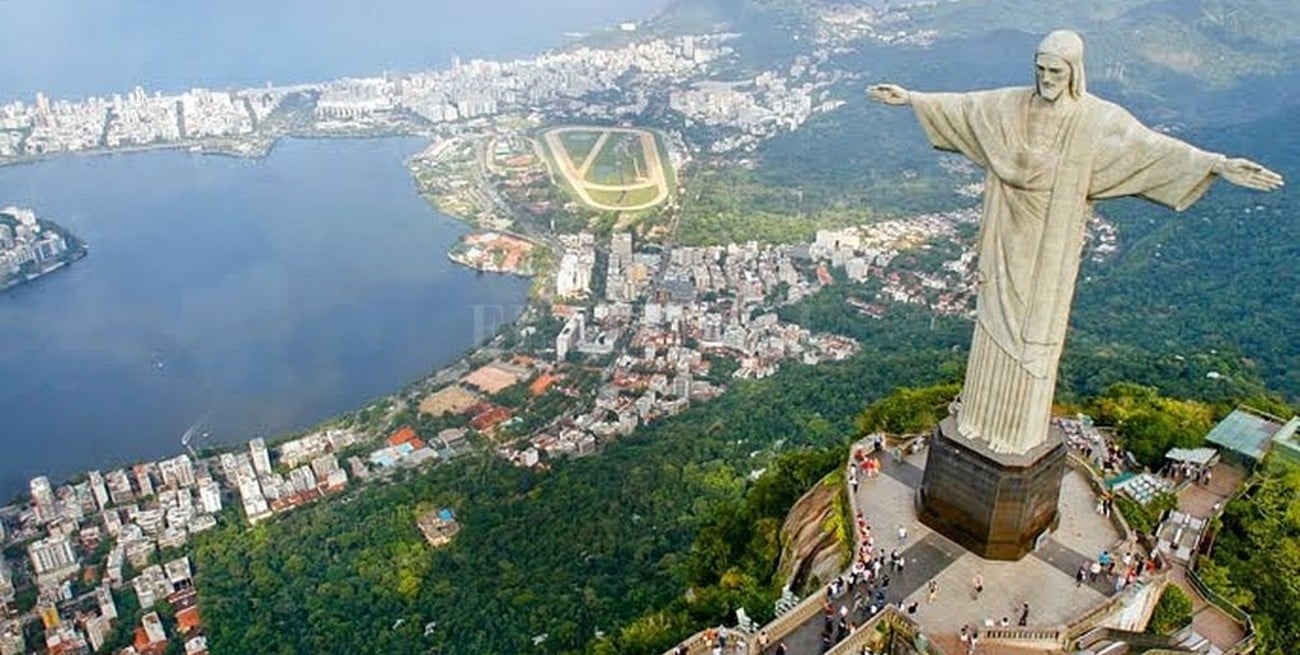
(890, 94)
(1244, 172)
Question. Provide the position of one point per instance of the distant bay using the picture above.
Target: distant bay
(255, 296)
(75, 48)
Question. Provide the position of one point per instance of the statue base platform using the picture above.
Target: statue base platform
(996, 505)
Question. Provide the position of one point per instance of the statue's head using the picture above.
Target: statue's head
(1058, 66)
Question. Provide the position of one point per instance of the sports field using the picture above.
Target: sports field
(610, 168)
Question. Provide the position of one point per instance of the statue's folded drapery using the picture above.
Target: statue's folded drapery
(1037, 200)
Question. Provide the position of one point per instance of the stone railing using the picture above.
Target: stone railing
(868, 634)
(878, 628)
(782, 626)
(695, 644)
(1247, 643)
(1053, 635)
(1099, 487)
(1140, 641)
(1093, 618)
(698, 643)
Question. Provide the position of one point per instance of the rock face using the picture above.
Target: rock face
(810, 550)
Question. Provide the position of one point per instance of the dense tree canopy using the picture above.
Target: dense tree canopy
(1256, 557)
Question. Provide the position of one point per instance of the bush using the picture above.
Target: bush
(1144, 519)
(1173, 611)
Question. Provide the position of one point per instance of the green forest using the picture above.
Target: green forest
(1256, 557)
(597, 555)
(589, 546)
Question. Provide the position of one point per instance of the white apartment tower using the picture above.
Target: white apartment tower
(98, 488)
(42, 498)
(52, 555)
(6, 583)
(143, 480)
(210, 496)
(261, 459)
(178, 472)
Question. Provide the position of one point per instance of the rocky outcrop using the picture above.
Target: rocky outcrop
(811, 549)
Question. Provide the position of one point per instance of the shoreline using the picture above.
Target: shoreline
(528, 303)
(13, 284)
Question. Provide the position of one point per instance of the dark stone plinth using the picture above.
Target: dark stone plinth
(994, 504)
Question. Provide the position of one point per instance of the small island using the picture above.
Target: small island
(31, 248)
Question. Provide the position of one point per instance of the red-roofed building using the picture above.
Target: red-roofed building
(188, 619)
(402, 436)
(144, 646)
(490, 419)
(824, 275)
(541, 384)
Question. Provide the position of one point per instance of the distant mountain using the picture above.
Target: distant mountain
(1147, 44)
(1223, 74)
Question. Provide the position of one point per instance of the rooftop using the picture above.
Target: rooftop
(1246, 431)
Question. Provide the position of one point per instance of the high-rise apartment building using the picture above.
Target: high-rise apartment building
(261, 458)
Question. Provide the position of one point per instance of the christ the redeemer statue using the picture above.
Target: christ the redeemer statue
(1049, 151)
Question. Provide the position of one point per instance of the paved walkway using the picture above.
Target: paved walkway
(1199, 500)
(1044, 579)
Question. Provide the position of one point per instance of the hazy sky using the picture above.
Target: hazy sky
(75, 47)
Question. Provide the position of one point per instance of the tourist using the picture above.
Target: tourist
(978, 583)
(934, 591)
(902, 534)
(780, 649)
(1004, 622)
(763, 641)
(1024, 616)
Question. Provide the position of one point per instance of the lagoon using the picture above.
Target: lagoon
(253, 296)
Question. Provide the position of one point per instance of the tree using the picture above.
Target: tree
(1149, 424)
(1172, 612)
(908, 410)
(1256, 557)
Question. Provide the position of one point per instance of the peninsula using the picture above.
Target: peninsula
(31, 248)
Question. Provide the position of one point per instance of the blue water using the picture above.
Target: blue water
(256, 296)
(259, 296)
(73, 48)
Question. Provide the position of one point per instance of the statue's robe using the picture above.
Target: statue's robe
(1038, 197)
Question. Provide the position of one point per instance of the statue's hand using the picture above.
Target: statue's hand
(1244, 172)
(890, 94)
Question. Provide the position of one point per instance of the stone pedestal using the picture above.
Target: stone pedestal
(996, 505)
